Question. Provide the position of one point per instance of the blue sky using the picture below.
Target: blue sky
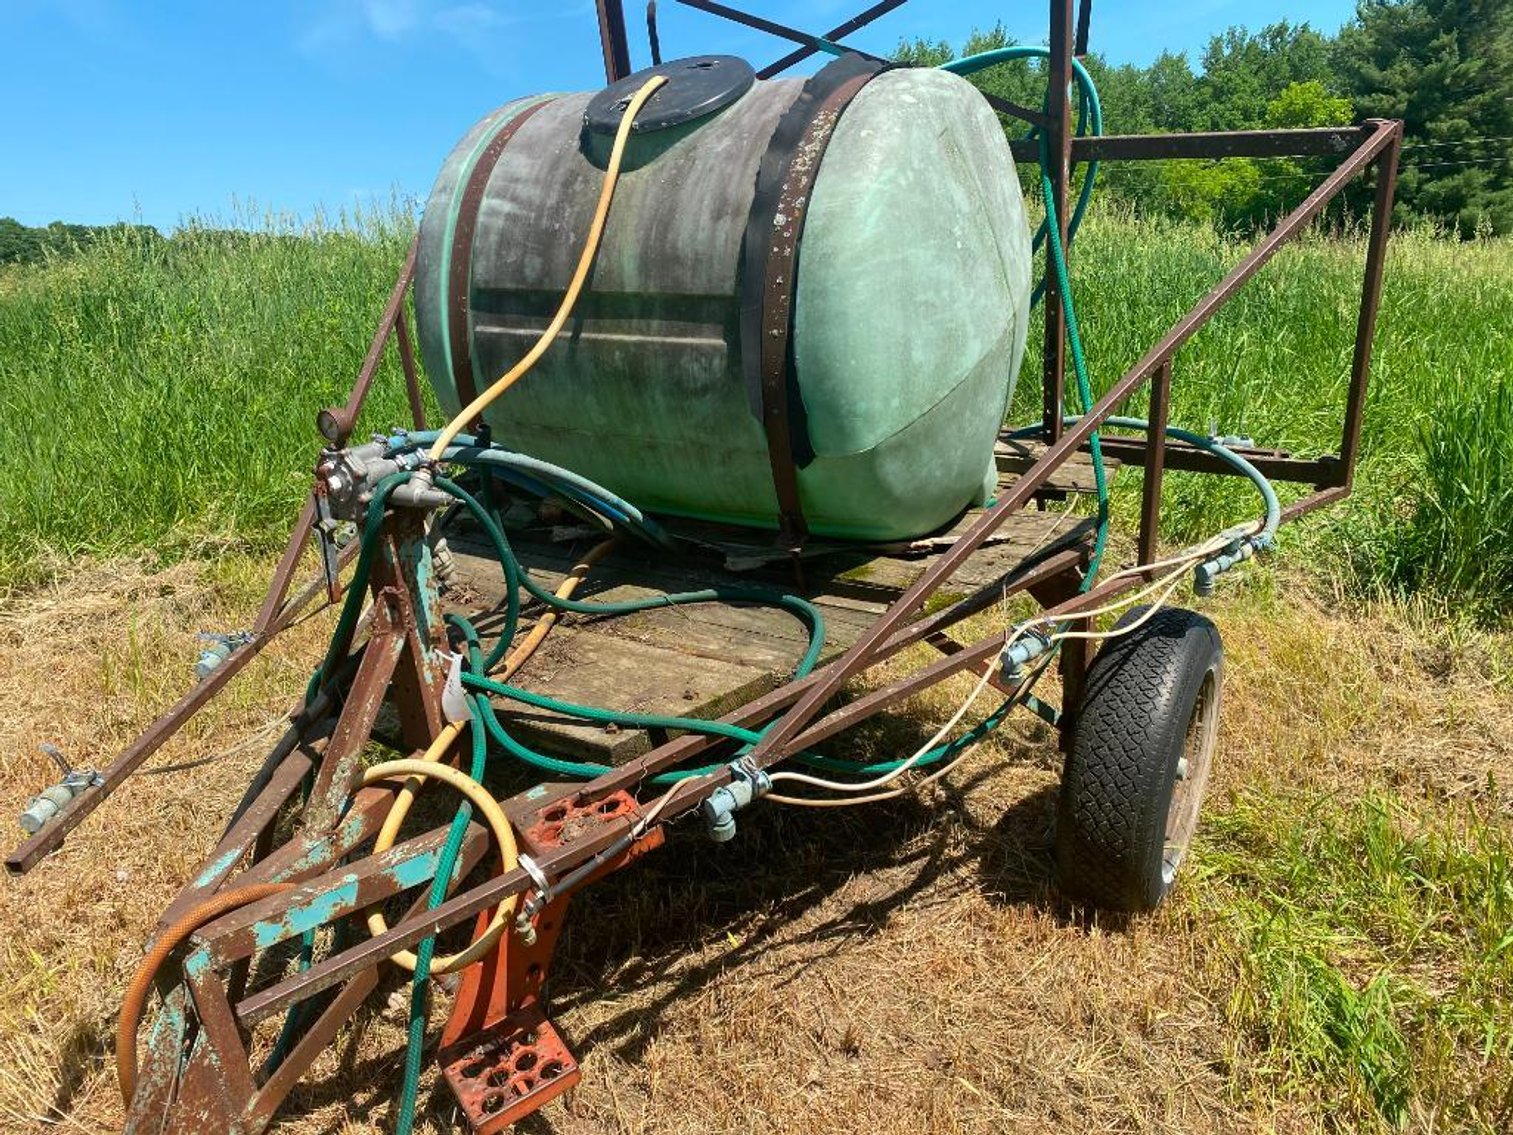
(161, 111)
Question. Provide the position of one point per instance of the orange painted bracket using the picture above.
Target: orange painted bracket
(499, 1054)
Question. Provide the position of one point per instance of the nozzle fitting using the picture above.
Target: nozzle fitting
(747, 783)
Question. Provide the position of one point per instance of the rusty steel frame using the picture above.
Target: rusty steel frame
(208, 1017)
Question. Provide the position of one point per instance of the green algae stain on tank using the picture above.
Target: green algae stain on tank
(912, 303)
(910, 309)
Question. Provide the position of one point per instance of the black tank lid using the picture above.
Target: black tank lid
(695, 87)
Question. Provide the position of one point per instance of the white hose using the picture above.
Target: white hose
(1165, 585)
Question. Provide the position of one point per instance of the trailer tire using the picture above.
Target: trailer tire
(1140, 749)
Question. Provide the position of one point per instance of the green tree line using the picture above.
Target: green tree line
(1443, 66)
(23, 244)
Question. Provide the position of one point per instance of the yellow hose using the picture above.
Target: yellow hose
(412, 785)
(477, 406)
(509, 857)
(419, 770)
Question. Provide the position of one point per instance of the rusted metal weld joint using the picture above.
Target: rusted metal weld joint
(769, 271)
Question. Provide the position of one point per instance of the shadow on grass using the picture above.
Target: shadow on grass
(783, 866)
(642, 934)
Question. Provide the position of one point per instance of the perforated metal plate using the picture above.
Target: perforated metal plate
(508, 1070)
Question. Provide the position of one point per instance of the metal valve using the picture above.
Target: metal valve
(216, 649)
(747, 783)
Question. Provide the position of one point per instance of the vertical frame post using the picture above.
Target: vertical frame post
(1371, 300)
(1084, 20)
(412, 375)
(1059, 141)
(1155, 460)
(612, 40)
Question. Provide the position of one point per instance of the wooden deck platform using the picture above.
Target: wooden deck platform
(706, 659)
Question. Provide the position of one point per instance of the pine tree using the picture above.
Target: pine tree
(1446, 68)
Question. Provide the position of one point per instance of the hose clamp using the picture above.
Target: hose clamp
(538, 878)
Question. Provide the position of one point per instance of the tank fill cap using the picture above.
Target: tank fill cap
(696, 86)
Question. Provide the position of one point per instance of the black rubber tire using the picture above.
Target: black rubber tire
(1122, 762)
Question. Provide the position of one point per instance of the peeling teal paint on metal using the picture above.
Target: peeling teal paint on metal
(353, 827)
(322, 851)
(198, 963)
(296, 920)
(340, 899)
(415, 565)
(218, 867)
(419, 570)
(164, 1057)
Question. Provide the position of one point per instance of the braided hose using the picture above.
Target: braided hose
(141, 981)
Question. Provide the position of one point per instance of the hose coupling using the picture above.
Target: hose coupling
(1206, 574)
(1026, 647)
(443, 562)
(1233, 441)
(216, 649)
(747, 783)
(418, 492)
(40, 809)
(525, 919)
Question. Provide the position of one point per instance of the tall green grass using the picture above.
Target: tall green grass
(1447, 528)
(161, 395)
(1432, 505)
(1377, 945)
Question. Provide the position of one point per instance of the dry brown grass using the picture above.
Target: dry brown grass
(900, 968)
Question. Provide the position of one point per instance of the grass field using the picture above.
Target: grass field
(1339, 956)
(163, 396)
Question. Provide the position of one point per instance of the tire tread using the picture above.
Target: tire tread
(1117, 783)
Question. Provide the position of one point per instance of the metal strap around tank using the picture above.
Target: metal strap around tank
(785, 180)
(460, 272)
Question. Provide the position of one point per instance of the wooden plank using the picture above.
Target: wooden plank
(1025, 536)
(693, 661)
(703, 660)
(619, 578)
(580, 664)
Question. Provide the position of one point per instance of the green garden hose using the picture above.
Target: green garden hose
(426, 950)
(1079, 365)
(476, 676)
(1089, 115)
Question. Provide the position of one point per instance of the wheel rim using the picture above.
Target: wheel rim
(1191, 777)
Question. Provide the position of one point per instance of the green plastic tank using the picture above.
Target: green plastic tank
(909, 306)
